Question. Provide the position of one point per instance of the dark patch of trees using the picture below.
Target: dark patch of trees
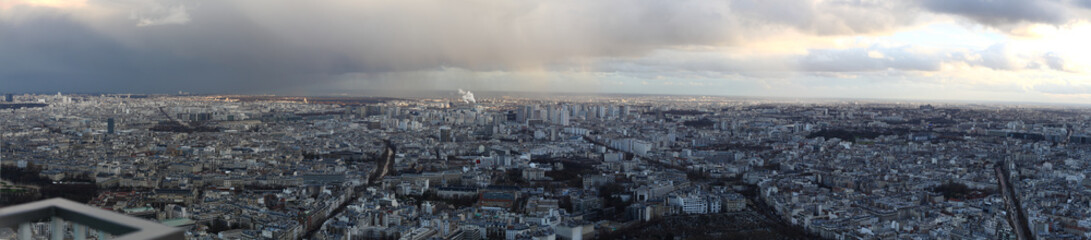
(21, 105)
(610, 201)
(574, 170)
(82, 192)
(171, 126)
(350, 157)
(312, 114)
(700, 123)
(219, 225)
(688, 112)
(272, 202)
(28, 175)
(264, 187)
(511, 177)
(458, 202)
(709, 226)
(562, 176)
(677, 112)
(949, 138)
(953, 190)
(736, 146)
(1027, 136)
(79, 188)
(566, 204)
(844, 135)
(936, 121)
(694, 175)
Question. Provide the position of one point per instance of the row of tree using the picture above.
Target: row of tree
(78, 188)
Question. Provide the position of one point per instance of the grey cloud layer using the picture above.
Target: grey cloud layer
(1064, 89)
(817, 60)
(1001, 11)
(873, 59)
(827, 17)
(831, 62)
(263, 44)
(257, 45)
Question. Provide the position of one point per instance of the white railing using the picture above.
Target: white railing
(81, 219)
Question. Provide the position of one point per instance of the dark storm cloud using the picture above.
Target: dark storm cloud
(1002, 12)
(494, 35)
(54, 52)
(263, 45)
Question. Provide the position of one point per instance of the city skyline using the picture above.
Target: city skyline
(1012, 51)
(473, 166)
(545, 119)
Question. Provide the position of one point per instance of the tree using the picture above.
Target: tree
(219, 225)
(609, 194)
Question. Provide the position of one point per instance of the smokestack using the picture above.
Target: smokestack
(467, 96)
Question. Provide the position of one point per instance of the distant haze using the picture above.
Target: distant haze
(1007, 50)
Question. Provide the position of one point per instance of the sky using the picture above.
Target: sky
(975, 50)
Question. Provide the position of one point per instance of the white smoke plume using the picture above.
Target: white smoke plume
(467, 96)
